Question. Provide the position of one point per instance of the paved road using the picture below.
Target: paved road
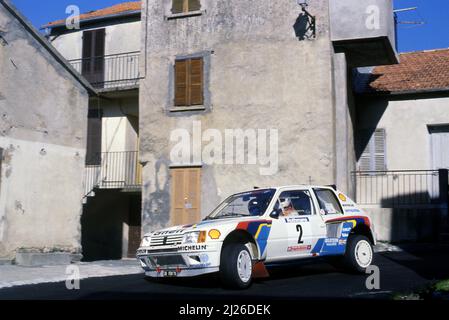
(400, 272)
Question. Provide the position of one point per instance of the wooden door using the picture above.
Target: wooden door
(185, 196)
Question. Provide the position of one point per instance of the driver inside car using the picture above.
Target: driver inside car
(287, 208)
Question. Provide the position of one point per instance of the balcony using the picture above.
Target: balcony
(116, 71)
(113, 170)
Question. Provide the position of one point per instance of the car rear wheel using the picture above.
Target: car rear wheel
(236, 266)
(359, 253)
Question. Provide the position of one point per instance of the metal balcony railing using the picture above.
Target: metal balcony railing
(397, 188)
(110, 71)
(115, 170)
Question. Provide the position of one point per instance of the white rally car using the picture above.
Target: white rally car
(253, 229)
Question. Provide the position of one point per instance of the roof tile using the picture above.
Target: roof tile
(116, 9)
(417, 71)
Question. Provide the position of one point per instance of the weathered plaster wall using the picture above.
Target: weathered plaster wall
(260, 76)
(120, 38)
(43, 116)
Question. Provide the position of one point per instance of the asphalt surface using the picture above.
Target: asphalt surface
(400, 272)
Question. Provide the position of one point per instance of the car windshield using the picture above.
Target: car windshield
(253, 203)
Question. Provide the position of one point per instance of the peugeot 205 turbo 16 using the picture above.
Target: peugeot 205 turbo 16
(253, 229)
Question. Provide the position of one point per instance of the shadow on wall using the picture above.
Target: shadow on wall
(156, 210)
(301, 27)
(415, 217)
(373, 112)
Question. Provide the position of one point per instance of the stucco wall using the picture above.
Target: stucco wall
(43, 131)
(120, 38)
(406, 122)
(260, 77)
(119, 127)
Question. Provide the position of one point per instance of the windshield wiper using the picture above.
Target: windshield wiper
(233, 215)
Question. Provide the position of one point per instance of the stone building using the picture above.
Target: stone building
(250, 93)
(43, 110)
(403, 146)
(105, 50)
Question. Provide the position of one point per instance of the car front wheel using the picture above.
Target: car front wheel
(236, 266)
(359, 253)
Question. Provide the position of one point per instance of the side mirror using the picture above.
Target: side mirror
(276, 213)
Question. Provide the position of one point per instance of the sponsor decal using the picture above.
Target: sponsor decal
(342, 197)
(296, 219)
(348, 205)
(196, 247)
(214, 234)
(161, 233)
(260, 230)
(355, 220)
(299, 248)
(353, 210)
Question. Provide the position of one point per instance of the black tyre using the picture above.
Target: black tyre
(236, 266)
(359, 253)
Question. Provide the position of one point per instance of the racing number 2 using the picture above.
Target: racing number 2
(299, 229)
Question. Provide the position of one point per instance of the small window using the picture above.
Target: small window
(296, 203)
(328, 202)
(185, 6)
(189, 82)
(373, 157)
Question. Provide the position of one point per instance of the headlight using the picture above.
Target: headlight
(146, 241)
(194, 237)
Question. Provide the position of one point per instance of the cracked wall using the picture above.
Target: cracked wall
(43, 113)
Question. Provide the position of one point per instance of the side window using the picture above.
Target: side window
(328, 202)
(185, 6)
(296, 203)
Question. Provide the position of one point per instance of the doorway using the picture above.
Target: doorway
(186, 196)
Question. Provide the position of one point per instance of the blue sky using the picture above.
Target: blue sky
(433, 34)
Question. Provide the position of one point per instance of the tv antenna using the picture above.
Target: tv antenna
(407, 22)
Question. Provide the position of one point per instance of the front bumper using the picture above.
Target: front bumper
(180, 260)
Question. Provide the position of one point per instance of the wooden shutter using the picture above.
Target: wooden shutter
(196, 82)
(379, 147)
(94, 135)
(93, 56)
(373, 157)
(87, 52)
(177, 6)
(194, 5)
(189, 82)
(181, 83)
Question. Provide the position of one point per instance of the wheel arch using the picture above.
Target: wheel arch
(243, 236)
(364, 230)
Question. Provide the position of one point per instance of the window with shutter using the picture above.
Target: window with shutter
(93, 56)
(189, 82)
(184, 6)
(373, 157)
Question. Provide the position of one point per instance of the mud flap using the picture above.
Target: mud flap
(260, 271)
